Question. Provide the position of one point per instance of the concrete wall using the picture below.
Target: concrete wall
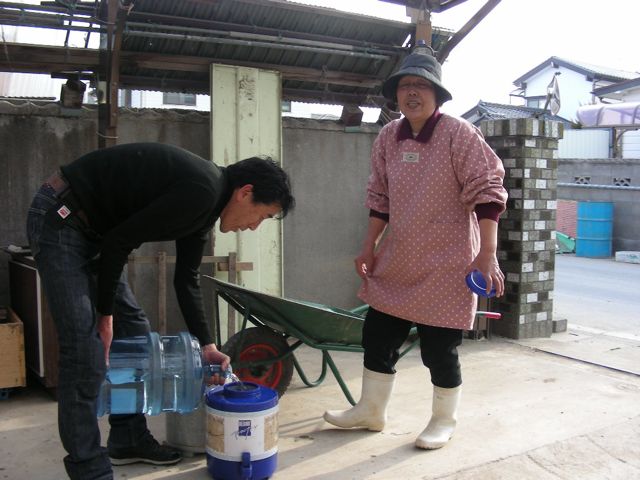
(36, 139)
(329, 170)
(606, 180)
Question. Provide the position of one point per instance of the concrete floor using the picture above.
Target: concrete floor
(529, 411)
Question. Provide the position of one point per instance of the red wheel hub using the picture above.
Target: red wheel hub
(267, 375)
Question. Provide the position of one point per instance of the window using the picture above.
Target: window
(286, 106)
(536, 102)
(175, 98)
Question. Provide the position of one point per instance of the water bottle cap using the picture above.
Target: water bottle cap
(475, 281)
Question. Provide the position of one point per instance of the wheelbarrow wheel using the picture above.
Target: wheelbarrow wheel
(260, 344)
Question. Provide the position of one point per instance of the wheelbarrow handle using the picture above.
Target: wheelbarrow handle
(491, 315)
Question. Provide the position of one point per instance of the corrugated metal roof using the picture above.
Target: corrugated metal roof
(324, 55)
(323, 47)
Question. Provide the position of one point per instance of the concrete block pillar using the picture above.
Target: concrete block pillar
(526, 246)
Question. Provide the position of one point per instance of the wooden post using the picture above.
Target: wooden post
(113, 14)
(228, 264)
(231, 320)
(231, 265)
(215, 326)
(422, 18)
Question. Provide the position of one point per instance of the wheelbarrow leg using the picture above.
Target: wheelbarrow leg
(304, 378)
(326, 358)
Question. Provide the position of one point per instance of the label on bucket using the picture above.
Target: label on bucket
(229, 434)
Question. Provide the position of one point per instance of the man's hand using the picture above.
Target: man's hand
(105, 330)
(211, 354)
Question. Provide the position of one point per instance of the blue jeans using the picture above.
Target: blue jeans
(64, 256)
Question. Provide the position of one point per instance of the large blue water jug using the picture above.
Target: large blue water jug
(152, 374)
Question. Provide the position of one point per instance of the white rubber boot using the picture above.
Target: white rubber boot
(371, 411)
(443, 418)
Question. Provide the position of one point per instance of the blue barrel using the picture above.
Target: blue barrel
(594, 229)
(242, 431)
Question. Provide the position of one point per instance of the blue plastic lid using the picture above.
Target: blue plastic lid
(242, 397)
(475, 281)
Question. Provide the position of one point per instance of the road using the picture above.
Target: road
(598, 293)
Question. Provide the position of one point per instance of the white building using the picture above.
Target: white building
(577, 82)
(580, 85)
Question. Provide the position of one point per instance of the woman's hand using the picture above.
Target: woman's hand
(366, 259)
(105, 330)
(487, 264)
(364, 263)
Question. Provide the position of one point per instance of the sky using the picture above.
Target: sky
(518, 35)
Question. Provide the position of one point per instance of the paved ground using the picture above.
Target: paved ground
(567, 407)
(598, 293)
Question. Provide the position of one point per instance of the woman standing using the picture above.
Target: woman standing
(435, 191)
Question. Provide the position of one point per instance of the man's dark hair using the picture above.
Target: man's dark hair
(270, 182)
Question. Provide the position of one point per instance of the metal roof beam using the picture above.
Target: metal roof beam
(254, 43)
(332, 98)
(444, 52)
(17, 57)
(39, 59)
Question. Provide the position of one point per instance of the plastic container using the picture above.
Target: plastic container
(152, 374)
(594, 229)
(242, 431)
(475, 281)
(188, 431)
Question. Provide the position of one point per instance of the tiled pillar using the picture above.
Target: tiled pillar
(526, 246)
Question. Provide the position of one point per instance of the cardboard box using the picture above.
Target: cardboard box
(12, 367)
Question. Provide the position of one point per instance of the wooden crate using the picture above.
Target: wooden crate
(12, 367)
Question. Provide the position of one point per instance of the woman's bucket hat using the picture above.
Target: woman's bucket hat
(420, 63)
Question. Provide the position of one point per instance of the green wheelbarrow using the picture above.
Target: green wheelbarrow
(264, 353)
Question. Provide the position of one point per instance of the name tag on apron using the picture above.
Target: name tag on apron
(411, 157)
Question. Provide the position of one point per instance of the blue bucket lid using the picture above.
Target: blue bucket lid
(242, 397)
(475, 281)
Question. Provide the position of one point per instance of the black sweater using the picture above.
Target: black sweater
(145, 192)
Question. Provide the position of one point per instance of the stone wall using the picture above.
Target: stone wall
(526, 249)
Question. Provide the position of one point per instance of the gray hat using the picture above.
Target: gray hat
(421, 64)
